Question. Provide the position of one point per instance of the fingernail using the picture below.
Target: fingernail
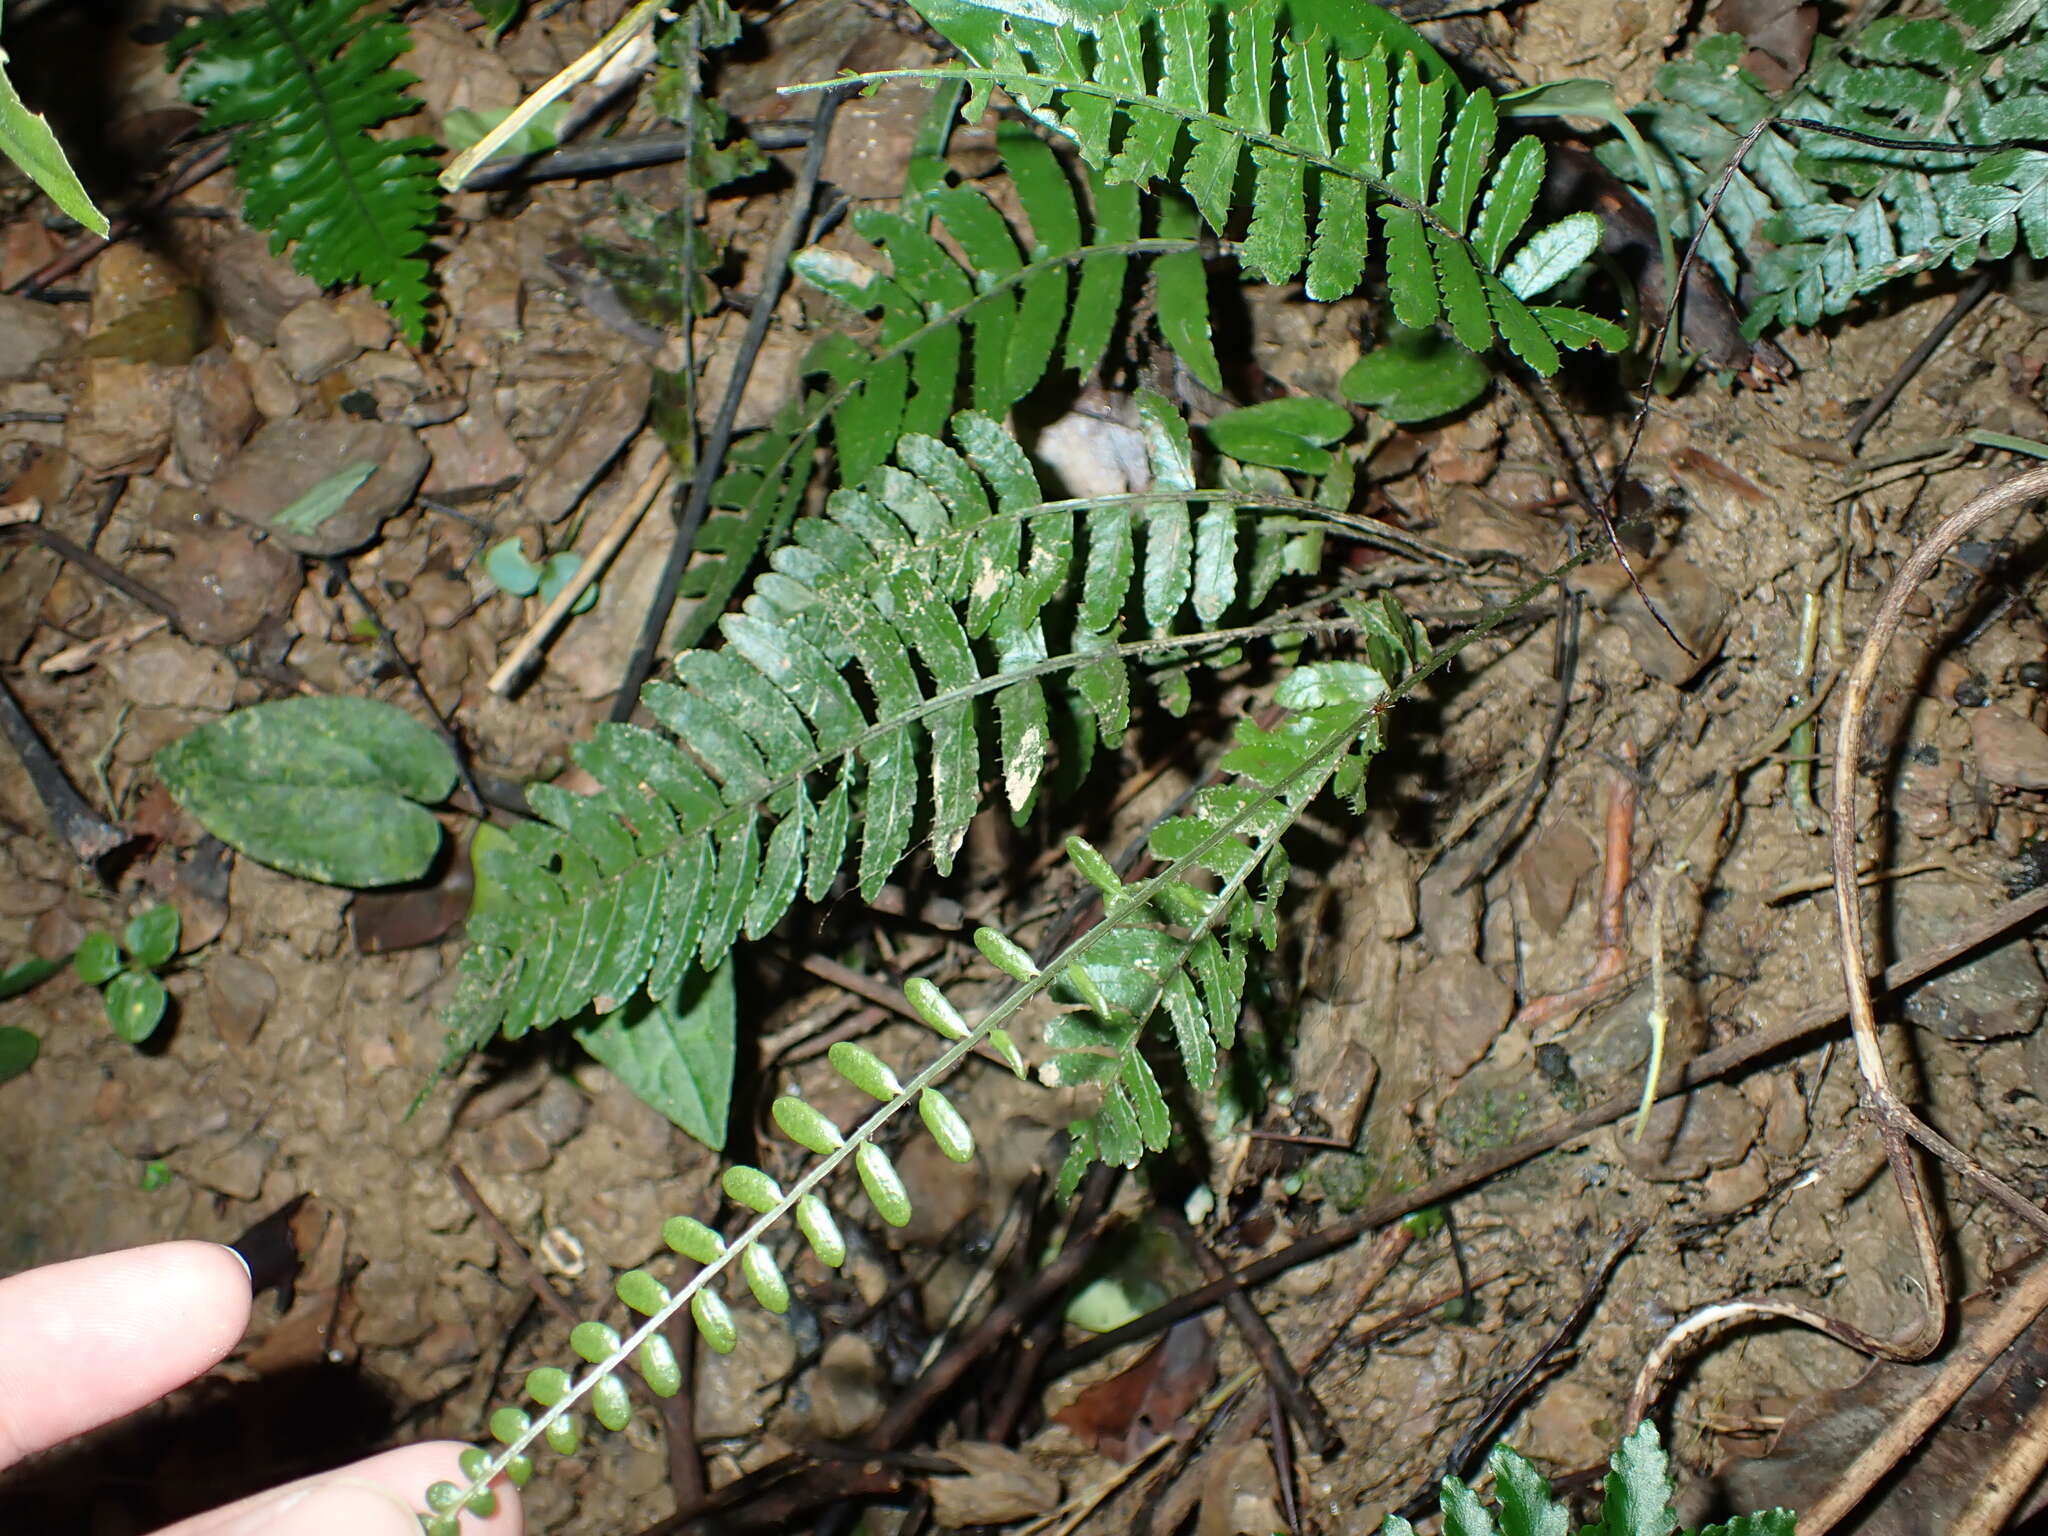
(246, 1270)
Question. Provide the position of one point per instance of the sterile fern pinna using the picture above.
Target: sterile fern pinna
(1928, 171)
(302, 83)
(1335, 126)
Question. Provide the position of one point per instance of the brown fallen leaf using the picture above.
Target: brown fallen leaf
(1934, 1485)
(999, 1485)
(1125, 1414)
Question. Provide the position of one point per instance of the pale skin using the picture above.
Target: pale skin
(87, 1342)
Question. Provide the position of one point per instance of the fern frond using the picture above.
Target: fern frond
(1170, 938)
(1812, 221)
(1328, 136)
(931, 589)
(304, 82)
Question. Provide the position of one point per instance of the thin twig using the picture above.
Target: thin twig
(89, 837)
(711, 460)
(1881, 402)
(510, 1249)
(1678, 1079)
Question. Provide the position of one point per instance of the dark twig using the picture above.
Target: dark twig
(711, 461)
(339, 570)
(626, 153)
(510, 1249)
(1881, 402)
(83, 249)
(1677, 1079)
(89, 838)
(1509, 1398)
(1287, 1384)
(95, 567)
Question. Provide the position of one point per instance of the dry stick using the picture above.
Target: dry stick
(1610, 963)
(1869, 416)
(1294, 1394)
(86, 247)
(510, 1248)
(1897, 1125)
(1677, 1079)
(2017, 1471)
(513, 669)
(711, 458)
(85, 833)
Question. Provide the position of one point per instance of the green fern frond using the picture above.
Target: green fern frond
(1326, 135)
(304, 82)
(1812, 221)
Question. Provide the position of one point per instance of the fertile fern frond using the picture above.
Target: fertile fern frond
(1176, 938)
(928, 591)
(1811, 221)
(304, 82)
(1192, 91)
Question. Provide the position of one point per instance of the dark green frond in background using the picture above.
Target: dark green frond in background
(303, 82)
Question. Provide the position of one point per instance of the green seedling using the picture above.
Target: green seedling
(507, 566)
(125, 971)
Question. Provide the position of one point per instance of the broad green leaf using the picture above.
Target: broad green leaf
(18, 1050)
(152, 936)
(1526, 1505)
(97, 960)
(135, 1005)
(325, 499)
(1289, 433)
(26, 139)
(331, 789)
(463, 126)
(1415, 375)
(676, 1053)
(24, 974)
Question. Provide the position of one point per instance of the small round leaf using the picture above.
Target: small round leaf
(510, 571)
(18, 1050)
(806, 1125)
(594, 1341)
(520, 1470)
(641, 1291)
(714, 1321)
(752, 1188)
(508, 1424)
(547, 1385)
(934, 1009)
(135, 1005)
(610, 1405)
(442, 1497)
(1005, 954)
(556, 572)
(878, 1176)
(97, 960)
(814, 1220)
(692, 1239)
(152, 936)
(863, 1068)
(948, 1129)
(659, 1367)
(564, 1435)
(472, 1461)
(764, 1278)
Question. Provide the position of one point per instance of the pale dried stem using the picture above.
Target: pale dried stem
(1897, 1125)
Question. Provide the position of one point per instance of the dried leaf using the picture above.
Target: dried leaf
(999, 1485)
(1120, 1417)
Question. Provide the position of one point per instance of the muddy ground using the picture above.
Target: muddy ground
(1413, 951)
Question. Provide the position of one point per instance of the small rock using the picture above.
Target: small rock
(605, 418)
(1688, 1138)
(1689, 600)
(215, 414)
(1474, 522)
(272, 389)
(1550, 867)
(735, 1392)
(314, 340)
(239, 996)
(443, 597)
(446, 1344)
(234, 1166)
(26, 245)
(30, 335)
(1728, 1190)
(514, 1144)
(2011, 749)
(55, 935)
(1459, 1006)
(494, 302)
(998, 1485)
(226, 584)
(560, 1111)
(847, 1389)
(121, 420)
(155, 1134)
(2000, 993)
(252, 289)
(164, 672)
(289, 458)
(369, 323)
(474, 456)
(1570, 1425)
(144, 309)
